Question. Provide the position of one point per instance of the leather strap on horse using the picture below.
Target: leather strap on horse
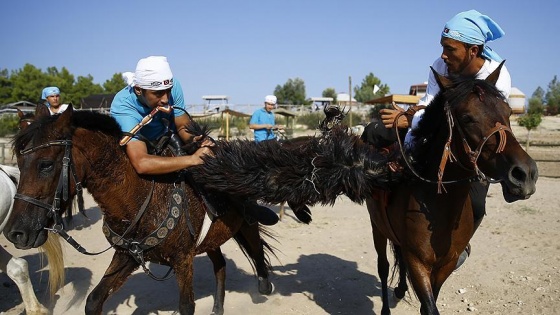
(447, 154)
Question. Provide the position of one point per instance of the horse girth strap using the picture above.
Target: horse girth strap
(136, 248)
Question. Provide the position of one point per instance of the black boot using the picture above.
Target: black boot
(253, 212)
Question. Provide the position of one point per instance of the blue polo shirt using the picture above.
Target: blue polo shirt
(128, 111)
(261, 116)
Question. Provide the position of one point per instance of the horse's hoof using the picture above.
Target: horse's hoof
(265, 287)
(399, 293)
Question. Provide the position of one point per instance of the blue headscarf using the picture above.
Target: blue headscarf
(474, 28)
(48, 91)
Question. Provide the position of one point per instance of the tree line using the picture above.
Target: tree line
(27, 83)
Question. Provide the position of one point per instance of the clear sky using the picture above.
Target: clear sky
(244, 48)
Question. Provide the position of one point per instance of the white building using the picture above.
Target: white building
(516, 101)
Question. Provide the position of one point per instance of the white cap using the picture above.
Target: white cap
(271, 99)
(153, 73)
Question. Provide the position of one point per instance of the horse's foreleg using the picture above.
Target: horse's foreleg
(18, 271)
(184, 273)
(254, 246)
(121, 266)
(380, 243)
(420, 279)
(219, 263)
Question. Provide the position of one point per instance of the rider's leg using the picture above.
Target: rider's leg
(478, 193)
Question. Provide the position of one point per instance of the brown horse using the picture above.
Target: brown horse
(429, 220)
(146, 218)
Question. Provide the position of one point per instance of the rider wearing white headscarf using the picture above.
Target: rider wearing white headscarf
(152, 73)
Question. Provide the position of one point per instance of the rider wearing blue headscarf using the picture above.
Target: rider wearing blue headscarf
(472, 27)
(465, 52)
(51, 95)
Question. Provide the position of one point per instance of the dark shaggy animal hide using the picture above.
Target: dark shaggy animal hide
(317, 171)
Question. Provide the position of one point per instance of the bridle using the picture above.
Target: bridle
(448, 155)
(61, 193)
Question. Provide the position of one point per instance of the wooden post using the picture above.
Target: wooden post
(350, 101)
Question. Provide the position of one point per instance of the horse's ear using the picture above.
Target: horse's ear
(65, 118)
(41, 110)
(493, 77)
(442, 81)
(20, 113)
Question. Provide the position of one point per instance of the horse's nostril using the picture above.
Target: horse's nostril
(519, 174)
(16, 237)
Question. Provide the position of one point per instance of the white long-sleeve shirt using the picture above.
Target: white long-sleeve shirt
(503, 84)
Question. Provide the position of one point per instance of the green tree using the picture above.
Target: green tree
(292, 92)
(330, 92)
(533, 118)
(539, 93)
(553, 97)
(364, 92)
(5, 86)
(535, 106)
(27, 84)
(115, 84)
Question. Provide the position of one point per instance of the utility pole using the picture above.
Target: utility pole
(350, 100)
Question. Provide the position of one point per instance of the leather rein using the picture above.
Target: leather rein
(448, 155)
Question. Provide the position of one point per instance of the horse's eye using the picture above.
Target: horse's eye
(466, 119)
(45, 167)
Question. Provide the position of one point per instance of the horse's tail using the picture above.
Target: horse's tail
(53, 250)
(268, 250)
(399, 268)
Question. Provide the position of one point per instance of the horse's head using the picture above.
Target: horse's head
(481, 137)
(43, 151)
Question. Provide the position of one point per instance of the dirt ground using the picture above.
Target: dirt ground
(329, 266)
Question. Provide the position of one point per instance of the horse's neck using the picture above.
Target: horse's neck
(108, 176)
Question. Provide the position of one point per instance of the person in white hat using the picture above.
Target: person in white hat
(153, 86)
(51, 95)
(263, 122)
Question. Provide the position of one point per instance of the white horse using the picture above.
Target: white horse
(15, 267)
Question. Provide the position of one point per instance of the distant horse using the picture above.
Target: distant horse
(25, 119)
(429, 220)
(15, 267)
(146, 218)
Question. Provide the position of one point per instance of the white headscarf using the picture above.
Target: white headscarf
(153, 73)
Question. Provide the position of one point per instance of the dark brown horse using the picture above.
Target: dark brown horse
(146, 218)
(464, 136)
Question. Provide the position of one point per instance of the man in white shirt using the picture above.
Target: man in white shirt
(465, 52)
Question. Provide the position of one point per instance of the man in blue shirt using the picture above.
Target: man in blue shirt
(262, 121)
(153, 91)
(153, 87)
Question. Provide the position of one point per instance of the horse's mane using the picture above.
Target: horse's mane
(433, 125)
(93, 121)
